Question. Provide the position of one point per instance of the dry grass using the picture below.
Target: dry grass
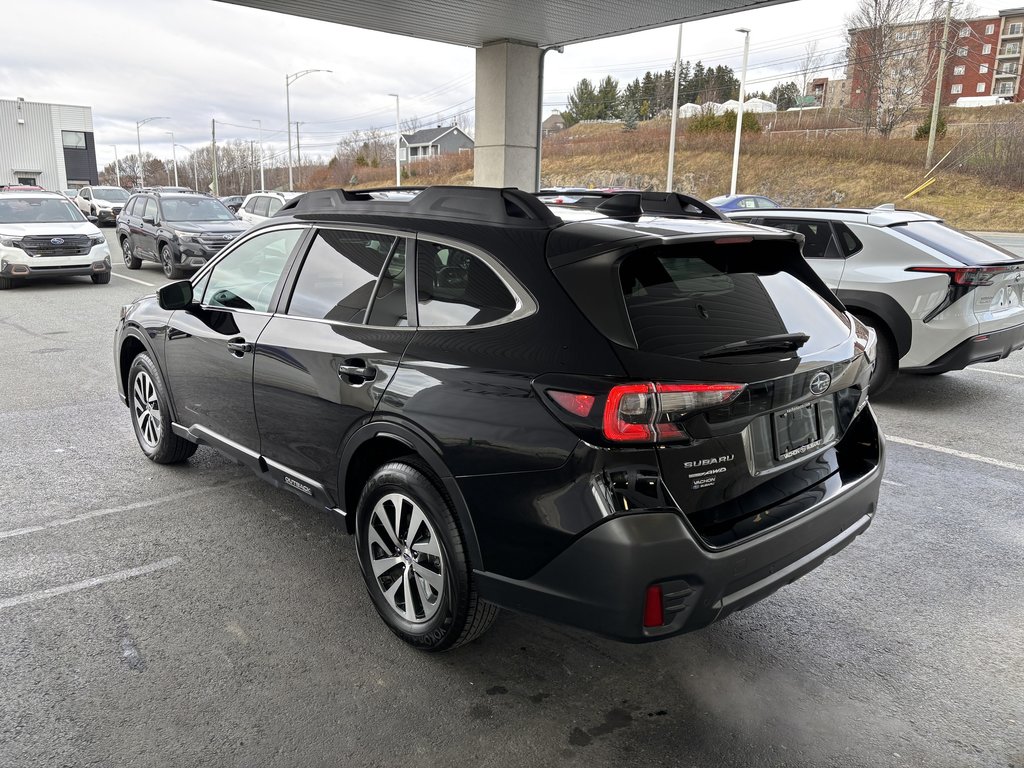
(849, 170)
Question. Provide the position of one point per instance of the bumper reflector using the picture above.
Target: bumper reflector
(654, 611)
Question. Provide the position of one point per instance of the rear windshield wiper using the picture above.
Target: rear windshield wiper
(782, 342)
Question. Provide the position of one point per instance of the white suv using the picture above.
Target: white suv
(940, 299)
(102, 202)
(43, 234)
(260, 206)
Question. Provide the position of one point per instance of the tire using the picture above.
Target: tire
(7, 282)
(130, 259)
(414, 561)
(171, 270)
(148, 403)
(101, 278)
(886, 362)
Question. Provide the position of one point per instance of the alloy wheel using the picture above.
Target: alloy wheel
(406, 558)
(146, 409)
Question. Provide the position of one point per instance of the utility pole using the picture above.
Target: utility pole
(937, 101)
(117, 166)
(398, 143)
(252, 163)
(213, 149)
(174, 157)
(263, 184)
(675, 114)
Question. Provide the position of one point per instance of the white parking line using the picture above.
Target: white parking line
(46, 594)
(976, 369)
(114, 510)
(886, 481)
(954, 452)
(133, 279)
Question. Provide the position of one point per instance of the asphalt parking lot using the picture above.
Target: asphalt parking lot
(193, 615)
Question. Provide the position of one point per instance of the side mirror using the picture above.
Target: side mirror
(93, 219)
(176, 295)
(148, 220)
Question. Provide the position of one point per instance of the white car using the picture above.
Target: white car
(260, 206)
(939, 299)
(102, 202)
(43, 234)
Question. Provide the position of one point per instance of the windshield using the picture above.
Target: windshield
(109, 193)
(958, 245)
(196, 208)
(38, 210)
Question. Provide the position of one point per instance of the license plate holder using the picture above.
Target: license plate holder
(796, 430)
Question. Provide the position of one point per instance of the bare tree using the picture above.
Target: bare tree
(809, 67)
(891, 57)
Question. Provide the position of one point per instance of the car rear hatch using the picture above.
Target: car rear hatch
(744, 371)
(989, 278)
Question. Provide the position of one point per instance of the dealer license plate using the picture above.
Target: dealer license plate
(797, 430)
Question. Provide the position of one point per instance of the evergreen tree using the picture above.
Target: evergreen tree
(608, 97)
(584, 104)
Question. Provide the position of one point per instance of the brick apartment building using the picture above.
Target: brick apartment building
(984, 59)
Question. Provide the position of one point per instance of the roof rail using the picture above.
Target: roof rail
(491, 205)
(629, 206)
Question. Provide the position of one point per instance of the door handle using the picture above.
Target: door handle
(357, 369)
(239, 347)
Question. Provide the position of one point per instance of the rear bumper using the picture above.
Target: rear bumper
(985, 348)
(599, 582)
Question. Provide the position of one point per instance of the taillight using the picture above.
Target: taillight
(967, 276)
(648, 412)
(573, 402)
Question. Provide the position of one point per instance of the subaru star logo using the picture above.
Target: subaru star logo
(56, 241)
(820, 382)
(228, 237)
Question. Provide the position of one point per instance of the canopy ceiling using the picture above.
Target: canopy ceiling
(546, 23)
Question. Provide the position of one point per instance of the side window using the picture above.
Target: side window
(246, 277)
(86, 194)
(818, 240)
(273, 206)
(127, 210)
(152, 209)
(339, 274)
(456, 288)
(847, 239)
(262, 205)
(763, 202)
(748, 202)
(250, 206)
(388, 307)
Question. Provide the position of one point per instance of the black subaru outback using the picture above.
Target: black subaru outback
(634, 425)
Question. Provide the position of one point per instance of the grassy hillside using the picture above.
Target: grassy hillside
(816, 168)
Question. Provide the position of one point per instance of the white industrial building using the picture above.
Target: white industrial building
(49, 145)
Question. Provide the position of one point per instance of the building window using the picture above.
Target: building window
(990, 29)
(959, 69)
(1015, 28)
(1004, 88)
(915, 34)
(965, 32)
(73, 139)
(981, 88)
(1011, 49)
(983, 69)
(986, 49)
(957, 88)
(901, 36)
(961, 51)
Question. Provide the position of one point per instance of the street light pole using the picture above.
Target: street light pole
(675, 114)
(298, 149)
(192, 156)
(739, 111)
(174, 157)
(288, 80)
(398, 143)
(117, 166)
(260, 124)
(138, 138)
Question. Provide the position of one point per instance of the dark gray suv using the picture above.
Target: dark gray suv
(181, 231)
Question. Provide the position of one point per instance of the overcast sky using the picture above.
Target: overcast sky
(195, 60)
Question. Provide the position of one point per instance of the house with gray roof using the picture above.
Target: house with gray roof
(431, 142)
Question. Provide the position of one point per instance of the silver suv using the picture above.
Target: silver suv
(939, 299)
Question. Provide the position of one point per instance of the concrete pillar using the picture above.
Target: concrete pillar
(507, 115)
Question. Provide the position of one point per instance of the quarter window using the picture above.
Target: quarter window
(247, 277)
(262, 205)
(250, 206)
(456, 288)
(152, 209)
(818, 240)
(273, 206)
(339, 275)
